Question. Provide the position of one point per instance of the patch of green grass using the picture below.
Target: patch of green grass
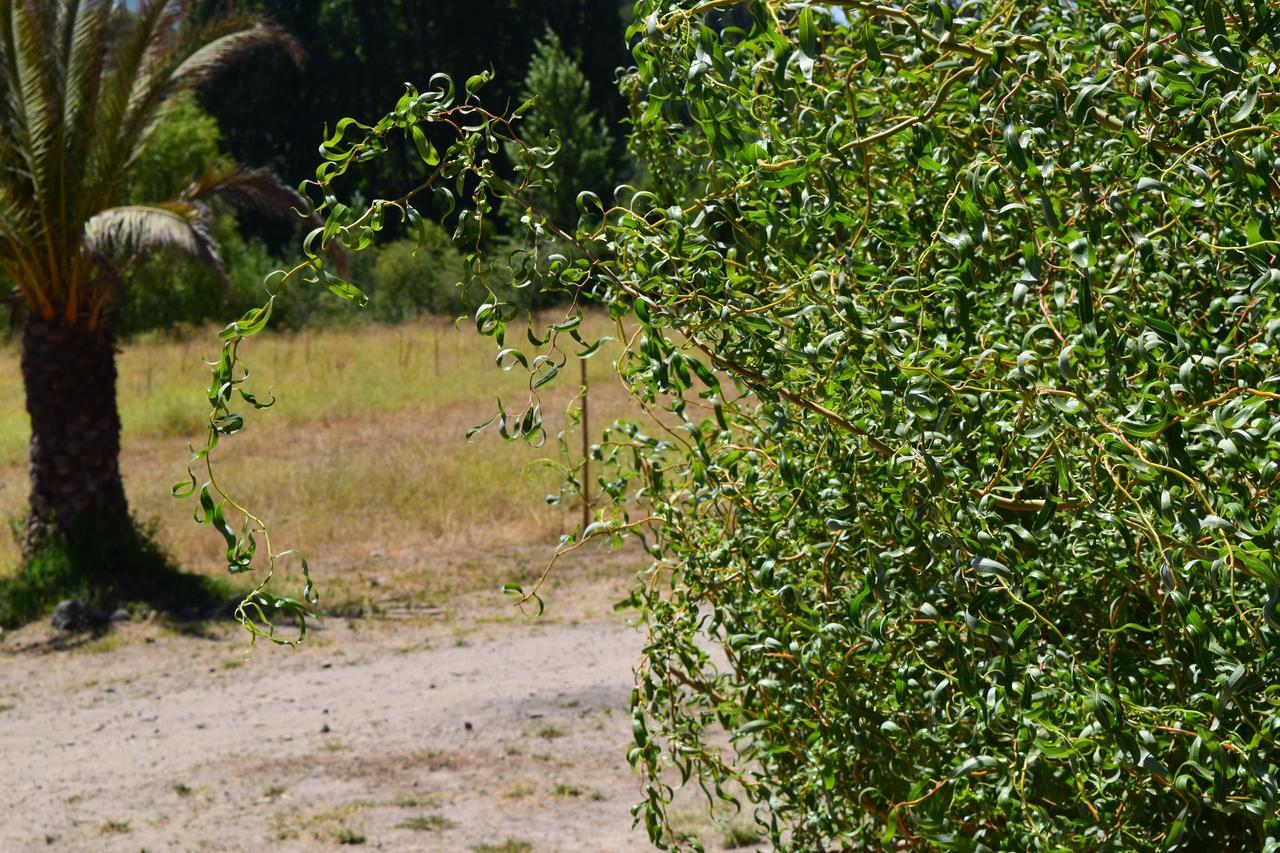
(550, 732)
(182, 790)
(334, 744)
(117, 827)
(6, 706)
(273, 792)
(425, 823)
(511, 845)
(43, 580)
(563, 790)
(104, 568)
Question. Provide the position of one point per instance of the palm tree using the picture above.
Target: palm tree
(83, 86)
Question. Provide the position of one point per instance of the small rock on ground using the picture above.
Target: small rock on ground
(72, 615)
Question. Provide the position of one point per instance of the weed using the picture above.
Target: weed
(509, 846)
(563, 790)
(550, 732)
(119, 827)
(518, 791)
(182, 790)
(334, 744)
(425, 823)
(412, 801)
(99, 645)
(282, 829)
(273, 792)
(347, 835)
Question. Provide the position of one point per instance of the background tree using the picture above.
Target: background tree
(85, 87)
(560, 98)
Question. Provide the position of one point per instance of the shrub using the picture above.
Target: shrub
(961, 324)
(410, 279)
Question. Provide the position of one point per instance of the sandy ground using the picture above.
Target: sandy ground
(434, 732)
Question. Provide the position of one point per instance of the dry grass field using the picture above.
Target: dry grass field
(362, 464)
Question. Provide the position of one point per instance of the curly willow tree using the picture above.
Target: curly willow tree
(959, 328)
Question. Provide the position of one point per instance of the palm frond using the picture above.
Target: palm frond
(28, 43)
(84, 56)
(137, 229)
(129, 55)
(180, 62)
(258, 190)
(208, 49)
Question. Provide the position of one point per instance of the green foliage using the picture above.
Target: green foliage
(411, 277)
(165, 289)
(183, 145)
(962, 332)
(168, 291)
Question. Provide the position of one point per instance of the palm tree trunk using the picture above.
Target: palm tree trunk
(69, 373)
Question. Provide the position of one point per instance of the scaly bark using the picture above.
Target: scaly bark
(69, 372)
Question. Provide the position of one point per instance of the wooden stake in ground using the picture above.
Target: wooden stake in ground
(586, 449)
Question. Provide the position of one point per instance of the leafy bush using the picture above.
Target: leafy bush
(170, 290)
(411, 278)
(961, 323)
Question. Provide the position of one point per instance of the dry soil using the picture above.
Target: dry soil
(433, 731)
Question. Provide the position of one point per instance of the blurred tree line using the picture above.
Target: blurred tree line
(272, 111)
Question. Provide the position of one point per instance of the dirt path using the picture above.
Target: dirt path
(406, 735)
